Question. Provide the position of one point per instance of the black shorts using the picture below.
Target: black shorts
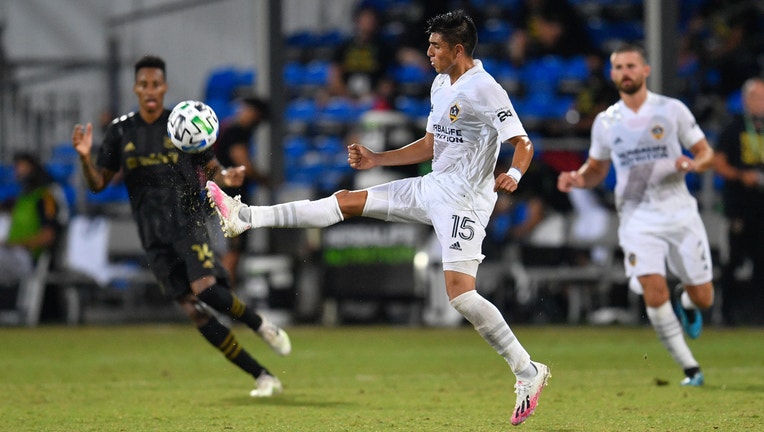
(186, 260)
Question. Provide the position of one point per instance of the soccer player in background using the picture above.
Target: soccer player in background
(164, 188)
(643, 134)
(471, 117)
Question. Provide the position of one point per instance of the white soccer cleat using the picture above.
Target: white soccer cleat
(266, 385)
(228, 210)
(528, 394)
(275, 337)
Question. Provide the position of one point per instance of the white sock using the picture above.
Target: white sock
(669, 332)
(489, 323)
(687, 302)
(298, 214)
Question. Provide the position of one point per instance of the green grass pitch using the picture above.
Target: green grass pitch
(166, 378)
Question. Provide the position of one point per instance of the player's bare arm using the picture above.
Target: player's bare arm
(701, 160)
(82, 140)
(361, 158)
(591, 173)
(507, 182)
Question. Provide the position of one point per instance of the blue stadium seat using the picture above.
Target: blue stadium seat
(317, 73)
(301, 110)
(412, 74)
(302, 39)
(495, 31)
(735, 102)
(224, 81)
(340, 110)
(294, 74)
(412, 107)
(113, 193)
(543, 75)
(61, 171)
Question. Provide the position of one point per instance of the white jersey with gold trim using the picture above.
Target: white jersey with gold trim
(643, 147)
(469, 120)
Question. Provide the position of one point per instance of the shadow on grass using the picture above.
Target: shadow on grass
(286, 401)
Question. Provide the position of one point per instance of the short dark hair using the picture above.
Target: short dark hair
(455, 27)
(150, 61)
(258, 104)
(630, 47)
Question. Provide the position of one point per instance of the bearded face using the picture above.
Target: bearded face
(629, 72)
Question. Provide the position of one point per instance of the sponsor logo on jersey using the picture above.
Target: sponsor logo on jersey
(130, 147)
(617, 141)
(456, 246)
(453, 112)
(657, 131)
(447, 134)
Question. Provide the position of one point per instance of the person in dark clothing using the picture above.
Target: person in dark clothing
(232, 148)
(165, 197)
(739, 159)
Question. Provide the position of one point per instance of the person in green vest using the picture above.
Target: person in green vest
(37, 218)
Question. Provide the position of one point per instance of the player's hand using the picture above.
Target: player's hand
(684, 164)
(361, 158)
(504, 183)
(568, 180)
(233, 177)
(82, 139)
(750, 178)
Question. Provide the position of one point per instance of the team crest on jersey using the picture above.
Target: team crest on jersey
(657, 132)
(632, 259)
(453, 112)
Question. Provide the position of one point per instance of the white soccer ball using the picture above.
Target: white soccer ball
(193, 126)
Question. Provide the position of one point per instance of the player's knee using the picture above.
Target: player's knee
(351, 203)
(194, 310)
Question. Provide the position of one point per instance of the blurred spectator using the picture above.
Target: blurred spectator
(360, 66)
(548, 27)
(412, 50)
(533, 216)
(233, 149)
(739, 159)
(729, 37)
(37, 218)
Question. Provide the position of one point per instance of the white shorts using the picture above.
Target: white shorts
(422, 200)
(683, 247)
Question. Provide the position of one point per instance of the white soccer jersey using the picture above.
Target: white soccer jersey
(469, 120)
(643, 147)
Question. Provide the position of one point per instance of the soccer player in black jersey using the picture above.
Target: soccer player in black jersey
(164, 185)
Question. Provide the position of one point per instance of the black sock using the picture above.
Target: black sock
(690, 372)
(224, 340)
(223, 300)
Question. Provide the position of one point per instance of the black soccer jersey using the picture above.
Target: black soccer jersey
(164, 183)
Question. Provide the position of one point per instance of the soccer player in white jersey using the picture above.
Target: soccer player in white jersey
(471, 116)
(643, 135)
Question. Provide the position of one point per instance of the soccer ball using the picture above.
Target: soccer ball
(193, 126)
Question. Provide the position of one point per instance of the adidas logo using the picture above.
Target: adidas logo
(456, 246)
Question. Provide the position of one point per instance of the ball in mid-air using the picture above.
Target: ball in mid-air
(193, 126)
